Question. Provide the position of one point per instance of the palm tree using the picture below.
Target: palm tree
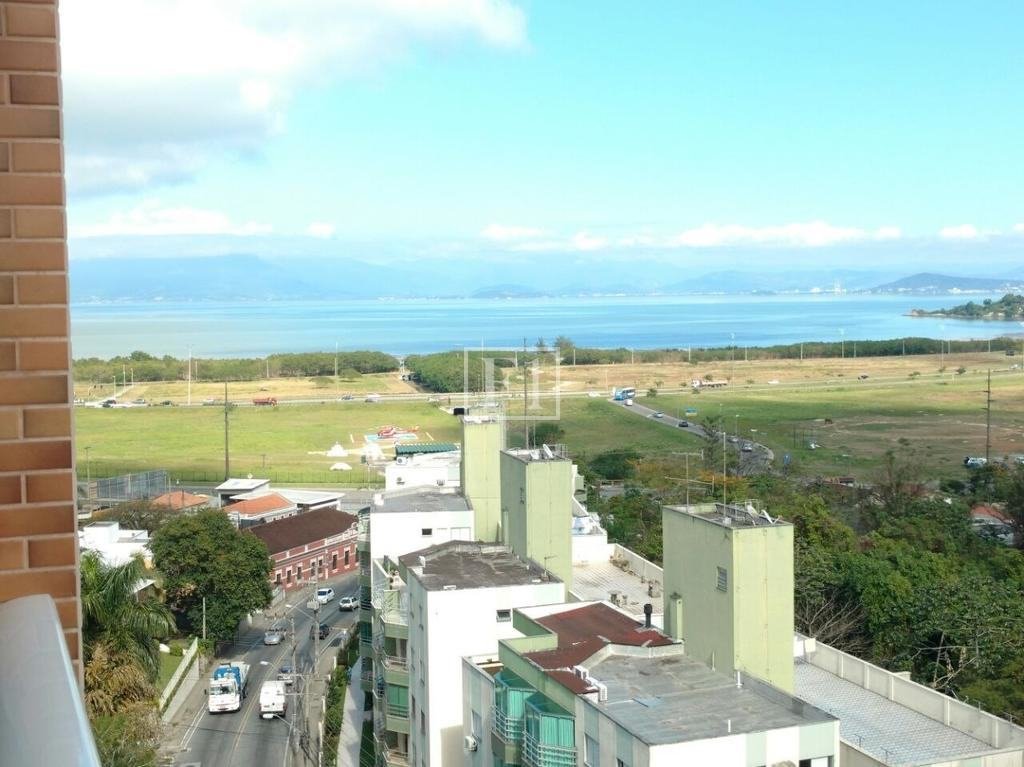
(115, 622)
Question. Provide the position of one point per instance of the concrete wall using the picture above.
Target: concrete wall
(38, 548)
(536, 509)
(482, 443)
(747, 626)
(393, 534)
(478, 697)
(423, 473)
(445, 626)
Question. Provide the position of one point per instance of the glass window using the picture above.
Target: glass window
(334, 561)
(288, 575)
(298, 573)
(591, 752)
(277, 577)
(346, 557)
(504, 616)
(427, 532)
(478, 725)
(723, 579)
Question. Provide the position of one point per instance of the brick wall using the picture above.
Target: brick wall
(38, 546)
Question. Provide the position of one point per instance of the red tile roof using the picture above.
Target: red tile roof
(180, 499)
(293, 532)
(264, 504)
(584, 631)
(984, 511)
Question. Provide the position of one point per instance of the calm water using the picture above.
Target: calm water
(403, 326)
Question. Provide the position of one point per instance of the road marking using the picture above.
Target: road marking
(191, 730)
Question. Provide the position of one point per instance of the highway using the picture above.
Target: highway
(197, 738)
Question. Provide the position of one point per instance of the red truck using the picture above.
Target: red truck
(264, 401)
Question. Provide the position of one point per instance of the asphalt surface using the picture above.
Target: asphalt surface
(197, 738)
(758, 458)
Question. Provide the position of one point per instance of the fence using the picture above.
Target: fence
(119, 487)
(186, 663)
(359, 477)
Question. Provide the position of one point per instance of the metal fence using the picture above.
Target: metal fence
(120, 488)
(106, 488)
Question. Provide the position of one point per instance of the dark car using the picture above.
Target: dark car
(325, 631)
(683, 424)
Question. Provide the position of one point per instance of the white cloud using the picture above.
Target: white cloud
(585, 241)
(1019, 228)
(811, 234)
(504, 233)
(888, 233)
(147, 79)
(960, 232)
(150, 218)
(320, 229)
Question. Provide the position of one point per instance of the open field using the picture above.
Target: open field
(287, 438)
(760, 372)
(281, 388)
(855, 422)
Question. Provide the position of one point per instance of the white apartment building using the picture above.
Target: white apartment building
(424, 470)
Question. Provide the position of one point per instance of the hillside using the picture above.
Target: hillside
(1009, 307)
(929, 282)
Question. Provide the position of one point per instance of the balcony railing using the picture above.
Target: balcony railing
(509, 729)
(391, 757)
(43, 721)
(537, 754)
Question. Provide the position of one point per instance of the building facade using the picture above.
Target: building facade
(315, 544)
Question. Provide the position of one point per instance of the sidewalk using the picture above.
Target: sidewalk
(352, 723)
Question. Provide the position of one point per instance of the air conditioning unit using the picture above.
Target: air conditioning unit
(470, 742)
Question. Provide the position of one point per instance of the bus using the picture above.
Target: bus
(624, 394)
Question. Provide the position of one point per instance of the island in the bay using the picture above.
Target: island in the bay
(1009, 307)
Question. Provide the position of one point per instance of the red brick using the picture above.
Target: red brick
(42, 289)
(7, 355)
(24, 456)
(56, 583)
(10, 492)
(31, 390)
(52, 552)
(28, 122)
(32, 322)
(12, 555)
(35, 157)
(48, 422)
(5, 164)
(44, 355)
(21, 521)
(31, 190)
(71, 637)
(50, 487)
(6, 222)
(35, 89)
(6, 291)
(39, 223)
(28, 56)
(67, 609)
(10, 423)
(26, 21)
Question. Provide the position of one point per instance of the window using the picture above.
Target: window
(723, 579)
(591, 752)
(423, 723)
(288, 575)
(478, 725)
(298, 572)
(426, 532)
(334, 561)
(346, 557)
(620, 763)
(504, 616)
(277, 577)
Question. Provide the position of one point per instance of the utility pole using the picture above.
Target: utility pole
(190, 375)
(526, 424)
(725, 474)
(227, 461)
(988, 417)
(204, 619)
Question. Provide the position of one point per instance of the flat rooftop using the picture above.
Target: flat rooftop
(241, 485)
(741, 514)
(893, 733)
(670, 698)
(544, 453)
(596, 581)
(471, 565)
(419, 499)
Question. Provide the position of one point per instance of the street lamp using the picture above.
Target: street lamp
(88, 477)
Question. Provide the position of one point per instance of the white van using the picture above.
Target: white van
(273, 699)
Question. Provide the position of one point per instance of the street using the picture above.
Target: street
(196, 738)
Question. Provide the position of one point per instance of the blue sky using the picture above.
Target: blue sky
(602, 128)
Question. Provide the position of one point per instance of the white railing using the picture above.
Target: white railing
(42, 715)
(182, 669)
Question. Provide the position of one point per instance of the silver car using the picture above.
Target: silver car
(274, 635)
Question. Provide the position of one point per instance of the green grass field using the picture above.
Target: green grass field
(939, 422)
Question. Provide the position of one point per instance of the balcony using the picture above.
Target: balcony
(507, 737)
(392, 606)
(538, 754)
(389, 756)
(48, 725)
(396, 717)
(396, 670)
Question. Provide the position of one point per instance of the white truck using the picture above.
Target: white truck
(227, 687)
(273, 699)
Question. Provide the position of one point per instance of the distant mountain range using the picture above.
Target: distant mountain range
(245, 277)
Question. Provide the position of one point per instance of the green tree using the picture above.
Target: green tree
(113, 617)
(203, 555)
(615, 464)
(547, 433)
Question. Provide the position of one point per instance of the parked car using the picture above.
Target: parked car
(748, 447)
(286, 674)
(325, 595)
(975, 462)
(324, 631)
(683, 424)
(347, 604)
(657, 414)
(734, 439)
(275, 634)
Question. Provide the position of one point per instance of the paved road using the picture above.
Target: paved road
(759, 458)
(242, 739)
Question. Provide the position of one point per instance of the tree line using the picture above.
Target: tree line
(140, 366)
